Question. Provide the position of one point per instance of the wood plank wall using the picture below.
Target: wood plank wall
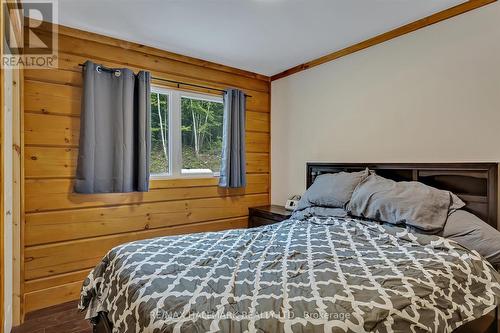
(2, 250)
(66, 234)
(14, 181)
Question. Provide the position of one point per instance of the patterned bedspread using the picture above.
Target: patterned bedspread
(318, 275)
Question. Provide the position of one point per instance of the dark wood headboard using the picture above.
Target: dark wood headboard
(475, 183)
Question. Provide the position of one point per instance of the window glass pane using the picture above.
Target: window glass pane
(201, 125)
(159, 133)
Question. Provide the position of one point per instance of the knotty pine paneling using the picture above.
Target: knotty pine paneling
(64, 131)
(57, 161)
(54, 194)
(67, 233)
(41, 89)
(50, 227)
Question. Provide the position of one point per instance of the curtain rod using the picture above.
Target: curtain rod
(178, 83)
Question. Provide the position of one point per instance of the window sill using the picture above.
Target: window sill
(184, 176)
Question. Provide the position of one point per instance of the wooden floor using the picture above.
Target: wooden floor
(64, 318)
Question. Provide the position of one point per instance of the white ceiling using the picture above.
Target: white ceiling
(262, 36)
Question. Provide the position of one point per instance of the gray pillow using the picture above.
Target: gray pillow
(332, 190)
(473, 233)
(412, 203)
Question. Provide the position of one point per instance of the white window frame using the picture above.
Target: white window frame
(175, 134)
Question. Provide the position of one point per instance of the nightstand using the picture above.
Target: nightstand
(264, 215)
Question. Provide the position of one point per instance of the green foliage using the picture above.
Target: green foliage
(201, 131)
(201, 125)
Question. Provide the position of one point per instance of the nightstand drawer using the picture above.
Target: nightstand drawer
(257, 221)
(265, 215)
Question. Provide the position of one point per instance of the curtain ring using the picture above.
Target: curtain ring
(118, 73)
(98, 69)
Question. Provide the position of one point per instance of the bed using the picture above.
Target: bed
(333, 274)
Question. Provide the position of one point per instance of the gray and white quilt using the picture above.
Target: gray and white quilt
(315, 275)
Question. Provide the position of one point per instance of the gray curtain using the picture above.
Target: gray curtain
(233, 165)
(114, 132)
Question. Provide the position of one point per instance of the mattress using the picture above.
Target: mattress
(312, 275)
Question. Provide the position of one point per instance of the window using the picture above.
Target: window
(186, 133)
